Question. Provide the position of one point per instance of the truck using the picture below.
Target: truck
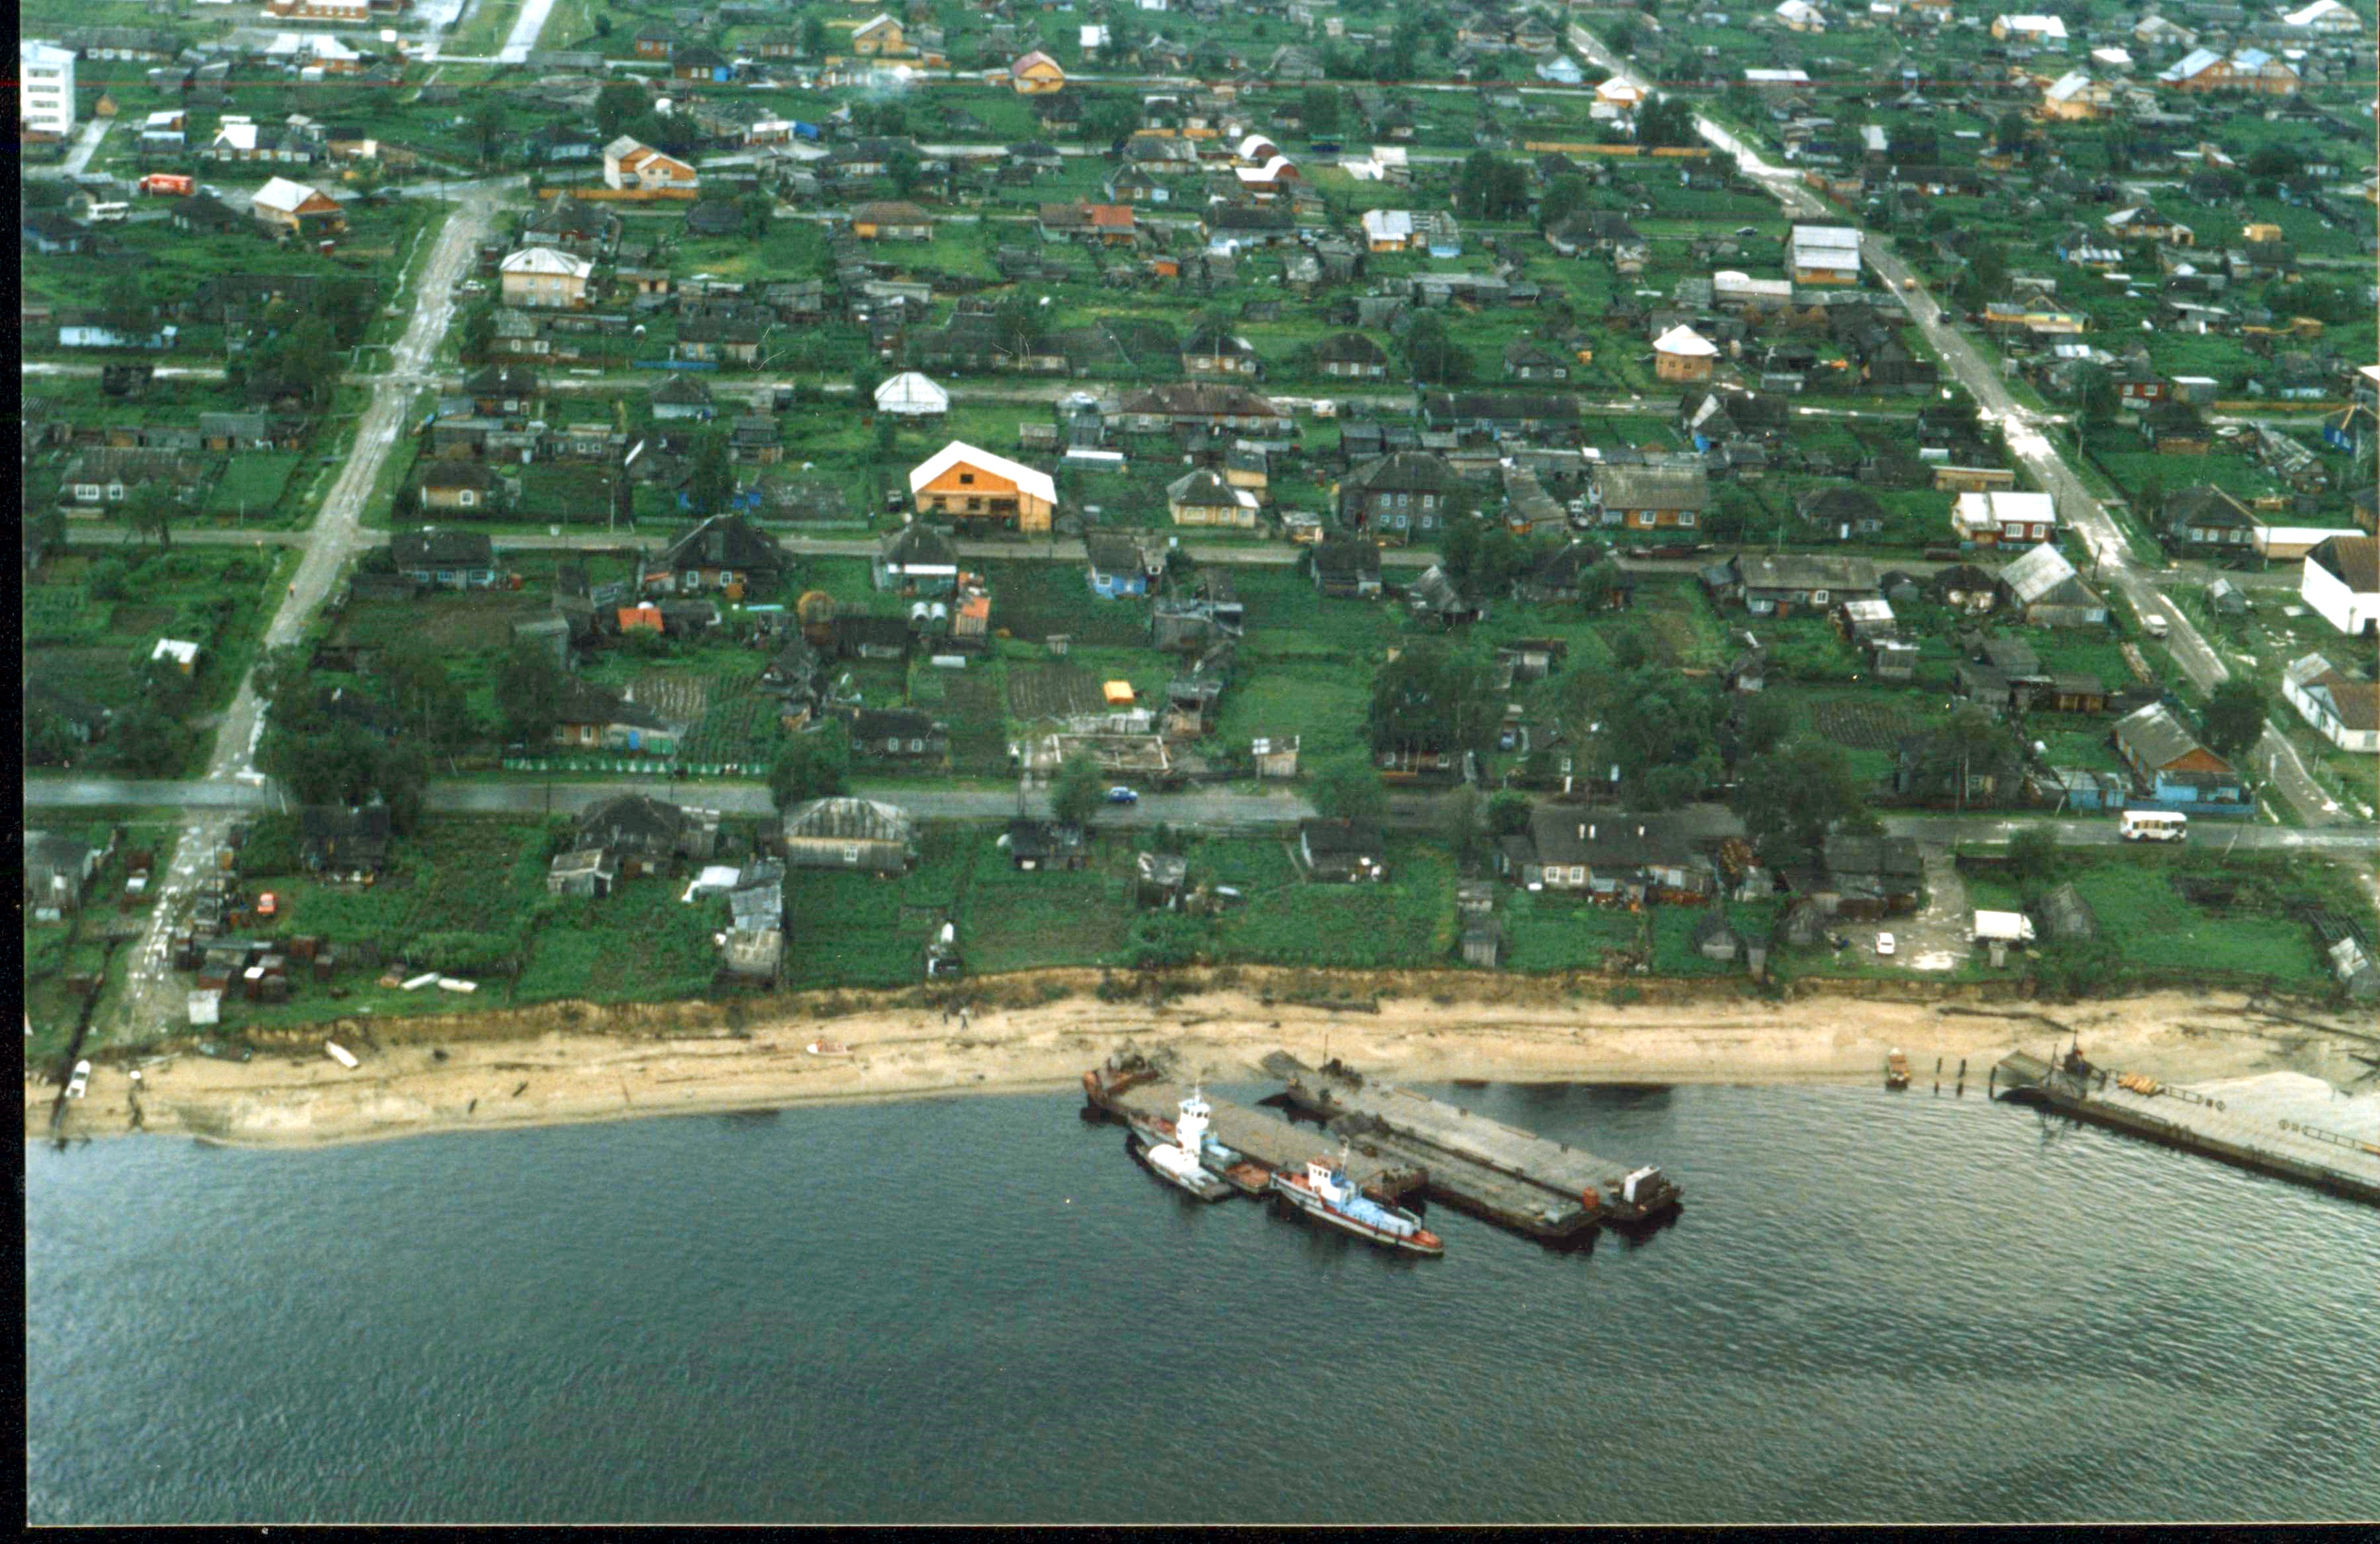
(170, 184)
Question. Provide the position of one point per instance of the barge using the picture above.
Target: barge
(1519, 1179)
(2185, 1118)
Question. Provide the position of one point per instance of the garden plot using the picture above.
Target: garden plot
(1037, 691)
(675, 695)
(1861, 726)
(455, 623)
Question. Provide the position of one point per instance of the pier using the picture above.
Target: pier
(2185, 1118)
(1136, 1093)
(1515, 1178)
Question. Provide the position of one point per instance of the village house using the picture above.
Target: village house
(2342, 709)
(1825, 255)
(2208, 522)
(915, 559)
(2341, 583)
(1780, 583)
(724, 552)
(588, 717)
(2004, 518)
(338, 839)
(1402, 496)
(2044, 589)
(541, 277)
(859, 833)
(1038, 846)
(1035, 74)
(976, 487)
(294, 209)
(629, 164)
(109, 474)
(455, 483)
(1347, 566)
(444, 560)
(57, 870)
(645, 835)
(1345, 852)
(892, 220)
(1119, 565)
(1649, 498)
(1204, 497)
(1350, 356)
(1606, 856)
(1683, 355)
(2171, 771)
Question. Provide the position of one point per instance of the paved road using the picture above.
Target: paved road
(153, 995)
(2285, 772)
(527, 795)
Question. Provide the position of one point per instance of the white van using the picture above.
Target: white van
(2153, 826)
(110, 214)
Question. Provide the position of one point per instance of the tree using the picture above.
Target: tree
(1463, 823)
(1667, 122)
(1508, 813)
(487, 126)
(602, 24)
(813, 35)
(148, 512)
(427, 699)
(2012, 134)
(1436, 359)
(1622, 37)
(149, 742)
(710, 482)
(1792, 797)
(2235, 717)
(1491, 187)
(903, 168)
(2032, 856)
(1349, 788)
(2098, 390)
(530, 686)
(1566, 195)
(1320, 108)
(1433, 697)
(1657, 728)
(615, 104)
(759, 209)
(811, 766)
(479, 332)
(1766, 721)
(1075, 792)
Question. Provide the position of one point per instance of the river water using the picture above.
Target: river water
(1874, 1306)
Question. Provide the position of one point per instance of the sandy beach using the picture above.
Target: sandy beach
(577, 1063)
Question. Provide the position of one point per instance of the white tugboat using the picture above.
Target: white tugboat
(1324, 1192)
(1177, 1161)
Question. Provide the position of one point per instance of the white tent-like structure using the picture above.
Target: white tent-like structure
(911, 396)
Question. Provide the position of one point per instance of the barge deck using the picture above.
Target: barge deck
(1515, 1178)
(2185, 1118)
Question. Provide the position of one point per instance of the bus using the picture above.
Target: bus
(110, 213)
(2153, 826)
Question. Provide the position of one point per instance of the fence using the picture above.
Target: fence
(627, 767)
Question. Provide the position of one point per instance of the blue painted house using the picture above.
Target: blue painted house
(2173, 771)
(1120, 566)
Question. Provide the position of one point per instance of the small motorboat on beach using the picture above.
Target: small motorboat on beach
(1324, 1193)
(1176, 1162)
(827, 1048)
(1896, 1071)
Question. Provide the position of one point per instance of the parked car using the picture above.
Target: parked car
(1884, 943)
(79, 1084)
(1122, 796)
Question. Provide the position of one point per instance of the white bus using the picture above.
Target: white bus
(110, 214)
(2154, 826)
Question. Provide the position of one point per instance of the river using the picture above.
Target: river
(1874, 1306)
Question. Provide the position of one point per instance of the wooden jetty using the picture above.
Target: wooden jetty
(2185, 1118)
(1136, 1093)
(1509, 1175)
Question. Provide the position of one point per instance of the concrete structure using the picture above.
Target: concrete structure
(45, 89)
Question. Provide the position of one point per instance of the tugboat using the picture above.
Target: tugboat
(1177, 1161)
(1324, 1192)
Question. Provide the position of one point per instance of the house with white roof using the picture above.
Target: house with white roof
(1683, 353)
(542, 276)
(297, 209)
(2342, 709)
(2035, 30)
(1388, 230)
(912, 395)
(2004, 518)
(1800, 16)
(1825, 255)
(2074, 97)
(976, 488)
(2323, 15)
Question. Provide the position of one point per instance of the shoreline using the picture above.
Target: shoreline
(417, 1077)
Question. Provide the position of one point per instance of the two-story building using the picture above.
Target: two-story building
(1405, 496)
(542, 276)
(978, 488)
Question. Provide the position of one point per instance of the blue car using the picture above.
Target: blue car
(1122, 796)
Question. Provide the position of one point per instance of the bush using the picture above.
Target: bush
(271, 846)
(458, 951)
